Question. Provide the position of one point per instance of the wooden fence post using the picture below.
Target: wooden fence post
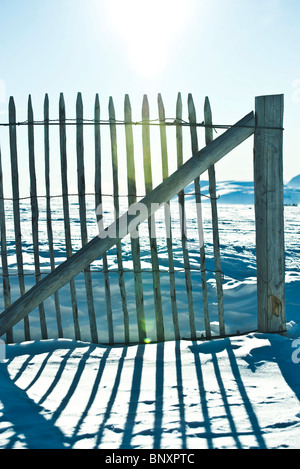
(268, 188)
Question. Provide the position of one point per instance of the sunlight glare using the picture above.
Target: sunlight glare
(148, 30)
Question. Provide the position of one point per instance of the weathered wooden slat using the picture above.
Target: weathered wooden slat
(114, 157)
(48, 209)
(194, 144)
(269, 210)
(183, 229)
(98, 201)
(95, 248)
(35, 213)
(214, 213)
(16, 203)
(83, 226)
(165, 174)
(5, 273)
(151, 224)
(65, 198)
(135, 243)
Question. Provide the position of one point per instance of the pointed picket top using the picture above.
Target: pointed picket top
(97, 108)
(111, 109)
(208, 121)
(30, 110)
(62, 107)
(46, 101)
(61, 99)
(46, 109)
(31, 148)
(127, 109)
(79, 106)
(114, 152)
(161, 107)
(146, 145)
(163, 137)
(131, 181)
(178, 104)
(145, 108)
(12, 110)
(193, 120)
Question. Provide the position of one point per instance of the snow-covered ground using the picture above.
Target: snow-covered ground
(237, 392)
(241, 392)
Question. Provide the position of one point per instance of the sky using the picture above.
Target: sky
(230, 51)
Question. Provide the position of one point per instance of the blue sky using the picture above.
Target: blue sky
(229, 50)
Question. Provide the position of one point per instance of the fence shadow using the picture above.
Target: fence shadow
(279, 350)
(23, 417)
(26, 423)
(213, 348)
(28, 426)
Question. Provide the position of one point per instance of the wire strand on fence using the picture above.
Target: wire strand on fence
(125, 271)
(11, 199)
(155, 122)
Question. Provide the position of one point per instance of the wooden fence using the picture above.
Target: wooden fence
(265, 125)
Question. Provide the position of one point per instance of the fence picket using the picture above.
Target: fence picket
(98, 201)
(194, 145)
(35, 213)
(114, 158)
(64, 183)
(165, 173)
(135, 243)
(6, 282)
(16, 203)
(48, 209)
(214, 212)
(151, 224)
(182, 217)
(83, 227)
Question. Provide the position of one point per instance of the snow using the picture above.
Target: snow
(237, 392)
(240, 392)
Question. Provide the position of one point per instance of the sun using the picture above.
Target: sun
(148, 30)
